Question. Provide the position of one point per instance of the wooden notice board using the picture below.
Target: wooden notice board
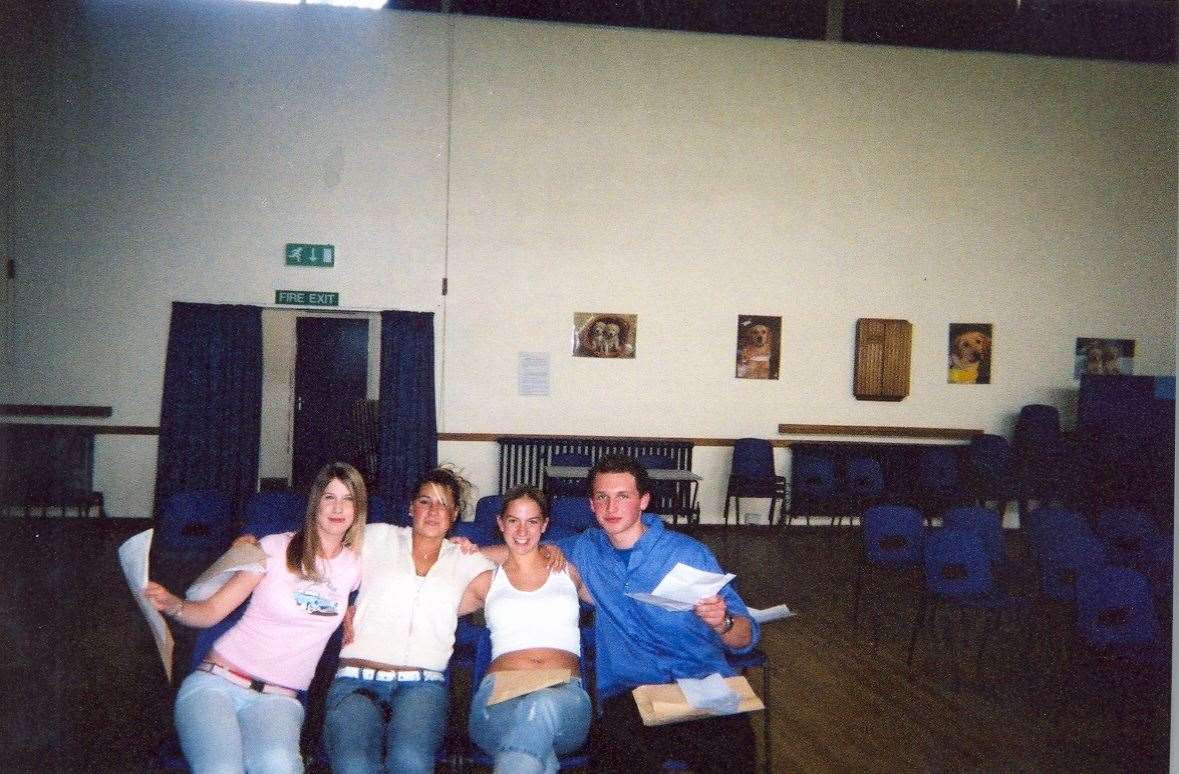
(882, 359)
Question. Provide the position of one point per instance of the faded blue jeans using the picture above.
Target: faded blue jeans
(367, 721)
(526, 734)
(226, 728)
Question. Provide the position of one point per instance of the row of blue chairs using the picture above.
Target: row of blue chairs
(1115, 579)
(204, 520)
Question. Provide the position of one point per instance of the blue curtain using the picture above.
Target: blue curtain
(211, 409)
(408, 438)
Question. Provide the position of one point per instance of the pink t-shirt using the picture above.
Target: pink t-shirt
(289, 619)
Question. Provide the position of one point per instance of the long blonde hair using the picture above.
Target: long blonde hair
(305, 546)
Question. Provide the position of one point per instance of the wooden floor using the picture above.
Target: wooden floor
(85, 692)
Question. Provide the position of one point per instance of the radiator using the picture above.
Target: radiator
(523, 459)
(44, 467)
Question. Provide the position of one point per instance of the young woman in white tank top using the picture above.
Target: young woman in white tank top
(533, 616)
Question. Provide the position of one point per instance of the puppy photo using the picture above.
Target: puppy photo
(757, 346)
(1103, 357)
(969, 353)
(604, 335)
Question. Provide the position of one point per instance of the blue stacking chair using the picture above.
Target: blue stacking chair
(752, 474)
(958, 573)
(487, 510)
(479, 533)
(990, 471)
(568, 487)
(1127, 532)
(274, 511)
(938, 484)
(983, 521)
(1038, 447)
(1048, 523)
(863, 486)
(570, 515)
(893, 543)
(198, 522)
(1116, 626)
(813, 486)
(757, 659)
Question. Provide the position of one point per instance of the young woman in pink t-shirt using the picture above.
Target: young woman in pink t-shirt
(240, 707)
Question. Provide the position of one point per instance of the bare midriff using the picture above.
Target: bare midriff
(536, 658)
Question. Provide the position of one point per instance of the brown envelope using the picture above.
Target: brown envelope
(517, 682)
(662, 704)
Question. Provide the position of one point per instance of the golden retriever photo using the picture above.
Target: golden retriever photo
(757, 346)
(1103, 357)
(604, 335)
(970, 353)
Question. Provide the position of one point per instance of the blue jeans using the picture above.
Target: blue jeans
(227, 728)
(366, 721)
(526, 734)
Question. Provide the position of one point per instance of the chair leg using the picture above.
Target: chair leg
(728, 496)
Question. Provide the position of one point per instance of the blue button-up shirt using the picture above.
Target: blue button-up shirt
(638, 643)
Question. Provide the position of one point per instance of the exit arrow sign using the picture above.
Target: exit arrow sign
(323, 256)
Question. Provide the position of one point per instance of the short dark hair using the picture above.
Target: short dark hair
(619, 463)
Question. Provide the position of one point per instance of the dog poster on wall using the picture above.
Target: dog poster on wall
(758, 339)
(604, 335)
(1103, 356)
(970, 353)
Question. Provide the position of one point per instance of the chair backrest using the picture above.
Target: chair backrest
(483, 533)
(813, 475)
(267, 513)
(937, 468)
(864, 477)
(1065, 559)
(956, 564)
(753, 458)
(1037, 424)
(1114, 609)
(1126, 530)
(571, 514)
(200, 520)
(1048, 523)
(990, 460)
(983, 521)
(893, 535)
(488, 508)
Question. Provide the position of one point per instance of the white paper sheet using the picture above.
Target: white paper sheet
(710, 693)
(771, 613)
(240, 557)
(133, 555)
(683, 587)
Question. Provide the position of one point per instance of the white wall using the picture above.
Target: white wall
(168, 151)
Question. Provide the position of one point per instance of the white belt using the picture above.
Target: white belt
(390, 675)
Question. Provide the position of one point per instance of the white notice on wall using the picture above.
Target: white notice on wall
(534, 373)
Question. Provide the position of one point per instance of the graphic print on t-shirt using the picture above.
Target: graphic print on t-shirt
(314, 598)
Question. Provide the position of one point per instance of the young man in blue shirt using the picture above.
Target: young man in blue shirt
(639, 644)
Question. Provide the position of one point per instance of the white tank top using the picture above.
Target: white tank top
(545, 618)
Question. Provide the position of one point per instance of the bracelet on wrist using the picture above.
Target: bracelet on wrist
(177, 610)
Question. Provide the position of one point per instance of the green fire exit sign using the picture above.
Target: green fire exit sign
(310, 255)
(306, 298)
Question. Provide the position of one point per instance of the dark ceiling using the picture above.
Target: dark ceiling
(1130, 30)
